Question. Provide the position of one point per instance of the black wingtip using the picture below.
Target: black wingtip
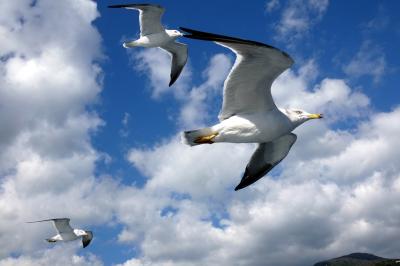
(116, 6)
(249, 179)
(206, 36)
(87, 239)
(134, 5)
(173, 79)
(238, 187)
(242, 185)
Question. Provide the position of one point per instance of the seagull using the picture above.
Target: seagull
(66, 232)
(249, 114)
(153, 34)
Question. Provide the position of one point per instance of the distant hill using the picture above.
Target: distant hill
(359, 259)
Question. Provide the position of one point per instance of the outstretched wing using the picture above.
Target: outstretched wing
(266, 156)
(149, 18)
(87, 238)
(248, 85)
(179, 53)
(61, 224)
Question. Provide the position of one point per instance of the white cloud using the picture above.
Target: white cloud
(272, 5)
(195, 110)
(156, 64)
(57, 256)
(124, 131)
(298, 17)
(171, 167)
(332, 97)
(48, 78)
(379, 22)
(370, 60)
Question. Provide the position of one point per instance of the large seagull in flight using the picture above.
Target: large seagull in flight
(249, 114)
(153, 34)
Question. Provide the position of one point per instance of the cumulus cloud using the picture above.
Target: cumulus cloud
(48, 78)
(297, 17)
(124, 131)
(156, 64)
(370, 60)
(272, 5)
(378, 23)
(195, 109)
(58, 256)
(333, 97)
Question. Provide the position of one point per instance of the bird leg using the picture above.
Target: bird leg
(208, 139)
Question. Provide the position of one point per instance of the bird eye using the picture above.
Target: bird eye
(298, 112)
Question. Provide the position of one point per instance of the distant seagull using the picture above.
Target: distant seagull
(66, 232)
(153, 34)
(249, 113)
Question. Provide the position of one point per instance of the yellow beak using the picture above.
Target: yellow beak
(315, 116)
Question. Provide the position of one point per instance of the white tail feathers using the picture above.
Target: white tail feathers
(129, 44)
(189, 137)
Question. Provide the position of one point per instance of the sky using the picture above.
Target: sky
(91, 131)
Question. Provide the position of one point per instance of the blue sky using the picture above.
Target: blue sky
(91, 132)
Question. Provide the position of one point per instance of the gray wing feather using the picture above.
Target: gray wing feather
(179, 54)
(266, 157)
(149, 18)
(61, 224)
(248, 85)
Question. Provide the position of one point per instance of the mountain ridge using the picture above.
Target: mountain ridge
(359, 259)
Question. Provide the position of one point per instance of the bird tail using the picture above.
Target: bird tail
(130, 44)
(192, 137)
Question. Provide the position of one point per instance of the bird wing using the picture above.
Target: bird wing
(87, 238)
(149, 18)
(266, 156)
(179, 53)
(247, 88)
(61, 224)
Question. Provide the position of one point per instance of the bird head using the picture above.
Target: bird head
(298, 116)
(174, 33)
(80, 232)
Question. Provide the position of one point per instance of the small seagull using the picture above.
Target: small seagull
(249, 113)
(66, 232)
(153, 34)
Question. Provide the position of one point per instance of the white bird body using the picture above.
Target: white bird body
(70, 236)
(248, 113)
(253, 127)
(158, 39)
(153, 34)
